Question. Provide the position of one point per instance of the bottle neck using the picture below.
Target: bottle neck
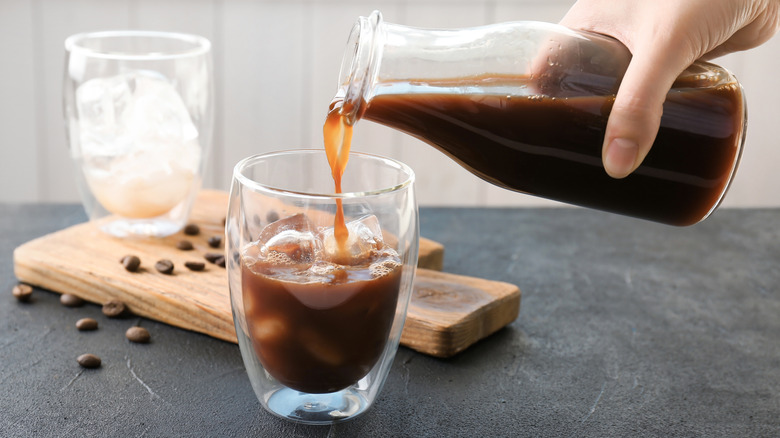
(360, 66)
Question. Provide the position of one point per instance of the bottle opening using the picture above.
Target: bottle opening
(359, 65)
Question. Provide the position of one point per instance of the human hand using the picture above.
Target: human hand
(664, 37)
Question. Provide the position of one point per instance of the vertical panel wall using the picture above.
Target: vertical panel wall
(19, 104)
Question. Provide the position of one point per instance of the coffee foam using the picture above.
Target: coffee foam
(280, 265)
(385, 267)
(278, 258)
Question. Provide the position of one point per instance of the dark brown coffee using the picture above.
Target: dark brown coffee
(319, 330)
(549, 144)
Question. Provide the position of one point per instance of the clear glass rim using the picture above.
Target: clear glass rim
(200, 45)
(238, 175)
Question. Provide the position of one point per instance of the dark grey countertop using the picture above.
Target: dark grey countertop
(627, 328)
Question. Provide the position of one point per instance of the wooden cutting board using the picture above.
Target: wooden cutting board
(446, 315)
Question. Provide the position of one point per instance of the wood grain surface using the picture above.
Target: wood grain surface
(447, 312)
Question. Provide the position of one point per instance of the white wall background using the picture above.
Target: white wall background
(276, 66)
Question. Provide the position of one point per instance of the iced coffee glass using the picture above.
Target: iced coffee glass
(318, 317)
(139, 116)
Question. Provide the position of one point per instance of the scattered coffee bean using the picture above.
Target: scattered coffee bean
(195, 266)
(70, 300)
(256, 220)
(272, 216)
(184, 245)
(215, 258)
(164, 266)
(138, 334)
(130, 262)
(212, 256)
(215, 241)
(88, 361)
(86, 324)
(22, 292)
(114, 309)
(192, 230)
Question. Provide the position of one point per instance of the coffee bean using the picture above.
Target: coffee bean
(114, 309)
(212, 256)
(88, 361)
(184, 245)
(164, 266)
(138, 334)
(272, 216)
(130, 262)
(256, 220)
(215, 258)
(86, 324)
(192, 230)
(215, 241)
(195, 266)
(22, 292)
(70, 300)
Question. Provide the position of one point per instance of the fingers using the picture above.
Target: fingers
(634, 121)
(665, 37)
(756, 32)
(636, 114)
(657, 61)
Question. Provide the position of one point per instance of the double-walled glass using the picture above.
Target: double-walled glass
(318, 321)
(139, 113)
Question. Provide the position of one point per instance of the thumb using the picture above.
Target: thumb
(636, 113)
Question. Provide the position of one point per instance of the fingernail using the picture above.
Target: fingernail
(620, 157)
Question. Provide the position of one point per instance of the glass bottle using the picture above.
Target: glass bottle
(524, 105)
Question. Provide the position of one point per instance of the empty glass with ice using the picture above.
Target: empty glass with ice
(139, 113)
(319, 318)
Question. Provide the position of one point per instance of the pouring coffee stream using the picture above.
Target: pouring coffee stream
(338, 141)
